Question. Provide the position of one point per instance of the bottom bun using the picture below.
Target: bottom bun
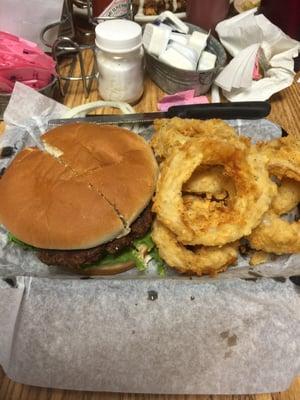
(111, 269)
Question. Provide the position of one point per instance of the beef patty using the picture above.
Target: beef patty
(77, 258)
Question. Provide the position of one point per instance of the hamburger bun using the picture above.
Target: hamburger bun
(111, 269)
(86, 189)
(117, 163)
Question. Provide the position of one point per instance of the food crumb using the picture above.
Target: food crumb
(152, 295)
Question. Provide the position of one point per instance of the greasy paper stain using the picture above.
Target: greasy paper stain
(231, 338)
(224, 335)
(227, 354)
(232, 341)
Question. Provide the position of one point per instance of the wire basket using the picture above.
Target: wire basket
(171, 79)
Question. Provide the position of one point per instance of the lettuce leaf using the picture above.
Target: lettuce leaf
(145, 241)
(142, 251)
(160, 264)
(122, 257)
(13, 239)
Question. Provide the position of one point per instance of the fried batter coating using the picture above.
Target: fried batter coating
(241, 162)
(287, 198)
(211, 181)
(284, 157)
(204, 161)
(205, 260)
(259, 257)
(274, 235)
(203, 207)
(171, 133)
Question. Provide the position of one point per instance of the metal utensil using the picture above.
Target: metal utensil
(241, 110)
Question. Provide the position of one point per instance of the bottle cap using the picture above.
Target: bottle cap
(118, 36)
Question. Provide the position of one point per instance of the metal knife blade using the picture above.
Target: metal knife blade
(239, 110)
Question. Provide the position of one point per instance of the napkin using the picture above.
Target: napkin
(26, 118)
(23, 61)
(181, 98)
(250, 38)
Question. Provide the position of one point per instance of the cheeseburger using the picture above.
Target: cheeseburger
(84, 201)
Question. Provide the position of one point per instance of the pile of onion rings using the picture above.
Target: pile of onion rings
(276, 235)
(216, 188)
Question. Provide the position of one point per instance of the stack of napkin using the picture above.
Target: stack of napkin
(23, 61)
(168, 39)
(262, 54)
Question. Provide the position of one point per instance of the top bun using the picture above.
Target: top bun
(90, 184)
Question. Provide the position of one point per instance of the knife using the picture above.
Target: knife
(239, 110)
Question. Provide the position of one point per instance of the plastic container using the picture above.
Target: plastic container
(120, 55)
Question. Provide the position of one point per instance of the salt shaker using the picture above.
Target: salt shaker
(120, 63)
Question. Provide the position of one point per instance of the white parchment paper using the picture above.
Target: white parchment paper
(237, 333)
(152, 336)
(27, 116)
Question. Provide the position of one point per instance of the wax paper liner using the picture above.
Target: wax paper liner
(159, 336)
(16, 261)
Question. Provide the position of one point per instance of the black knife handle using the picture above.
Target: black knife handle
(238, 110)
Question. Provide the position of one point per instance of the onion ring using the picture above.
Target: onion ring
(274, 235)
(203, 207)
(205, 260)
(174, 132)
(288, 196)
(210, 181)
(254, 191)
(284, 157)
(259, 257)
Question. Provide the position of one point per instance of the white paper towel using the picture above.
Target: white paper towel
(241, 35)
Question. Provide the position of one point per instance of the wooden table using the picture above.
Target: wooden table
(285, 112)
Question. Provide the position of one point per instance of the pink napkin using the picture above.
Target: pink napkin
(23, 61)
(256, 71)
(179, 99)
